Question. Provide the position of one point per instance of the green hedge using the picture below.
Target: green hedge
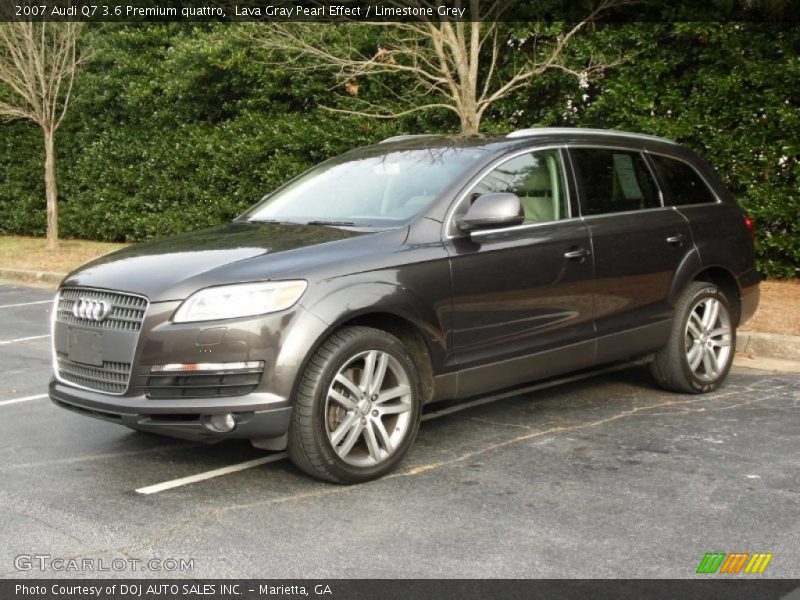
(728, 91)
(176, 127)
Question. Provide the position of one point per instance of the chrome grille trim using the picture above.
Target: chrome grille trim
(127, 315)
(127, 310)
(111, 378)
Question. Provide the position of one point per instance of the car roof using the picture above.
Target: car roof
(534, 136)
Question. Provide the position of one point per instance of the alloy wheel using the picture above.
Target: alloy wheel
(708, 339)
(368, 408)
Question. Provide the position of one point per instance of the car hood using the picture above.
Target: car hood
(174, 267)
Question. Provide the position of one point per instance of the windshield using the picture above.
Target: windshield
(367, 190)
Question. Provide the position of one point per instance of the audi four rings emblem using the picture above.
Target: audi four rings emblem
(91, 308)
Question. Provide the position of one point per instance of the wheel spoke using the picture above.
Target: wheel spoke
(383, 435)
(351, 387)
(694, 330)
(711, 312)
(694, 356)
(342, 399)
(719, 331)
(712, 357)
(369, 370)
(372, 443)
(707, 363)
(379, 374)
(392, 393)
(351, 439)
(345, 426)
(698, 322)
(394, 409)
(721, 343)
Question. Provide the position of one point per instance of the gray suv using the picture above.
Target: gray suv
(419, 269)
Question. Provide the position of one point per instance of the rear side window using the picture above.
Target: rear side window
(614, 181)
(684, 185)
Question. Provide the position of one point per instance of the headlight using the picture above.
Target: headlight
(239, 300)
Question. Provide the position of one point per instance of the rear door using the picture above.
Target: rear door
(637, 244)
(717, 226)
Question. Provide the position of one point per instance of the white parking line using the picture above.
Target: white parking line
(25, 339)
(25, 399)
(26, 304)
(168, 485)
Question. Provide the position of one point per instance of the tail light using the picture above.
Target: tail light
(751, 229)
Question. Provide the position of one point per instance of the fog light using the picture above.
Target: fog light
(221, 423)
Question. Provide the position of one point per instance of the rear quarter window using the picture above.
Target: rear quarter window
(683, 184)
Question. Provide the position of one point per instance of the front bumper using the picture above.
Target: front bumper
(279, 341)
(258, 416)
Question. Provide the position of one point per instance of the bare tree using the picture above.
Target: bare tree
(454, 65)
(38, 62)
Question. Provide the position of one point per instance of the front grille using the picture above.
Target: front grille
(204, 384)
(112, 377)
(127, 311)
(120, 335)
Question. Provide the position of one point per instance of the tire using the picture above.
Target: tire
(699, 354)
(349, 429)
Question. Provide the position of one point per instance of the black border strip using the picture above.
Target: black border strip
(701, 588)
(329, 11)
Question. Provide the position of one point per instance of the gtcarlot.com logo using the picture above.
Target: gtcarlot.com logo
(734, 563)
(46, 562)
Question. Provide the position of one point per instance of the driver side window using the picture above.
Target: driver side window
(537, 178)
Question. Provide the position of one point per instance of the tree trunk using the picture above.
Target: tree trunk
(470, 118)
(51, 190)
(470, 122)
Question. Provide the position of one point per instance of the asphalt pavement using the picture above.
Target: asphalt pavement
(605, 477)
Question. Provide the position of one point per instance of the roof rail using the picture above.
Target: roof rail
(567, 130)
(403, 138)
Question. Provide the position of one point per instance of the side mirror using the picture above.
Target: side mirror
(493, 211)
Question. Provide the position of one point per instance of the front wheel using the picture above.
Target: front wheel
(700, 350)
(357, 409)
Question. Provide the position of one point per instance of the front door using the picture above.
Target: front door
(522, 296)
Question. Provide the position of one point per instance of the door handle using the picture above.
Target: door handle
(577, 254)
(676, 239)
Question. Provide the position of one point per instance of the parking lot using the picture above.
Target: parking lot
(603, 477)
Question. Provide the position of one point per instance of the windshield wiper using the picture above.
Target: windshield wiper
(345, 223)
(273, 221)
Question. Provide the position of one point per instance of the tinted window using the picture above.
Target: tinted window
(537, 178)
(614, 181)
(684, 185)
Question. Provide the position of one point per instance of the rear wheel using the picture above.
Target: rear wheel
(357, 409)
(700, 351)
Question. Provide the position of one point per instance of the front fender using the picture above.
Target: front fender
(344, 300)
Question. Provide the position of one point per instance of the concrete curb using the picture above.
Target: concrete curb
(31, 276)
(766, 363)
(769, 344)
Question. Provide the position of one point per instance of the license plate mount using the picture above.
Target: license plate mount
(85, 347)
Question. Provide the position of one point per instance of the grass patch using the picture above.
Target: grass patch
(19, 252)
